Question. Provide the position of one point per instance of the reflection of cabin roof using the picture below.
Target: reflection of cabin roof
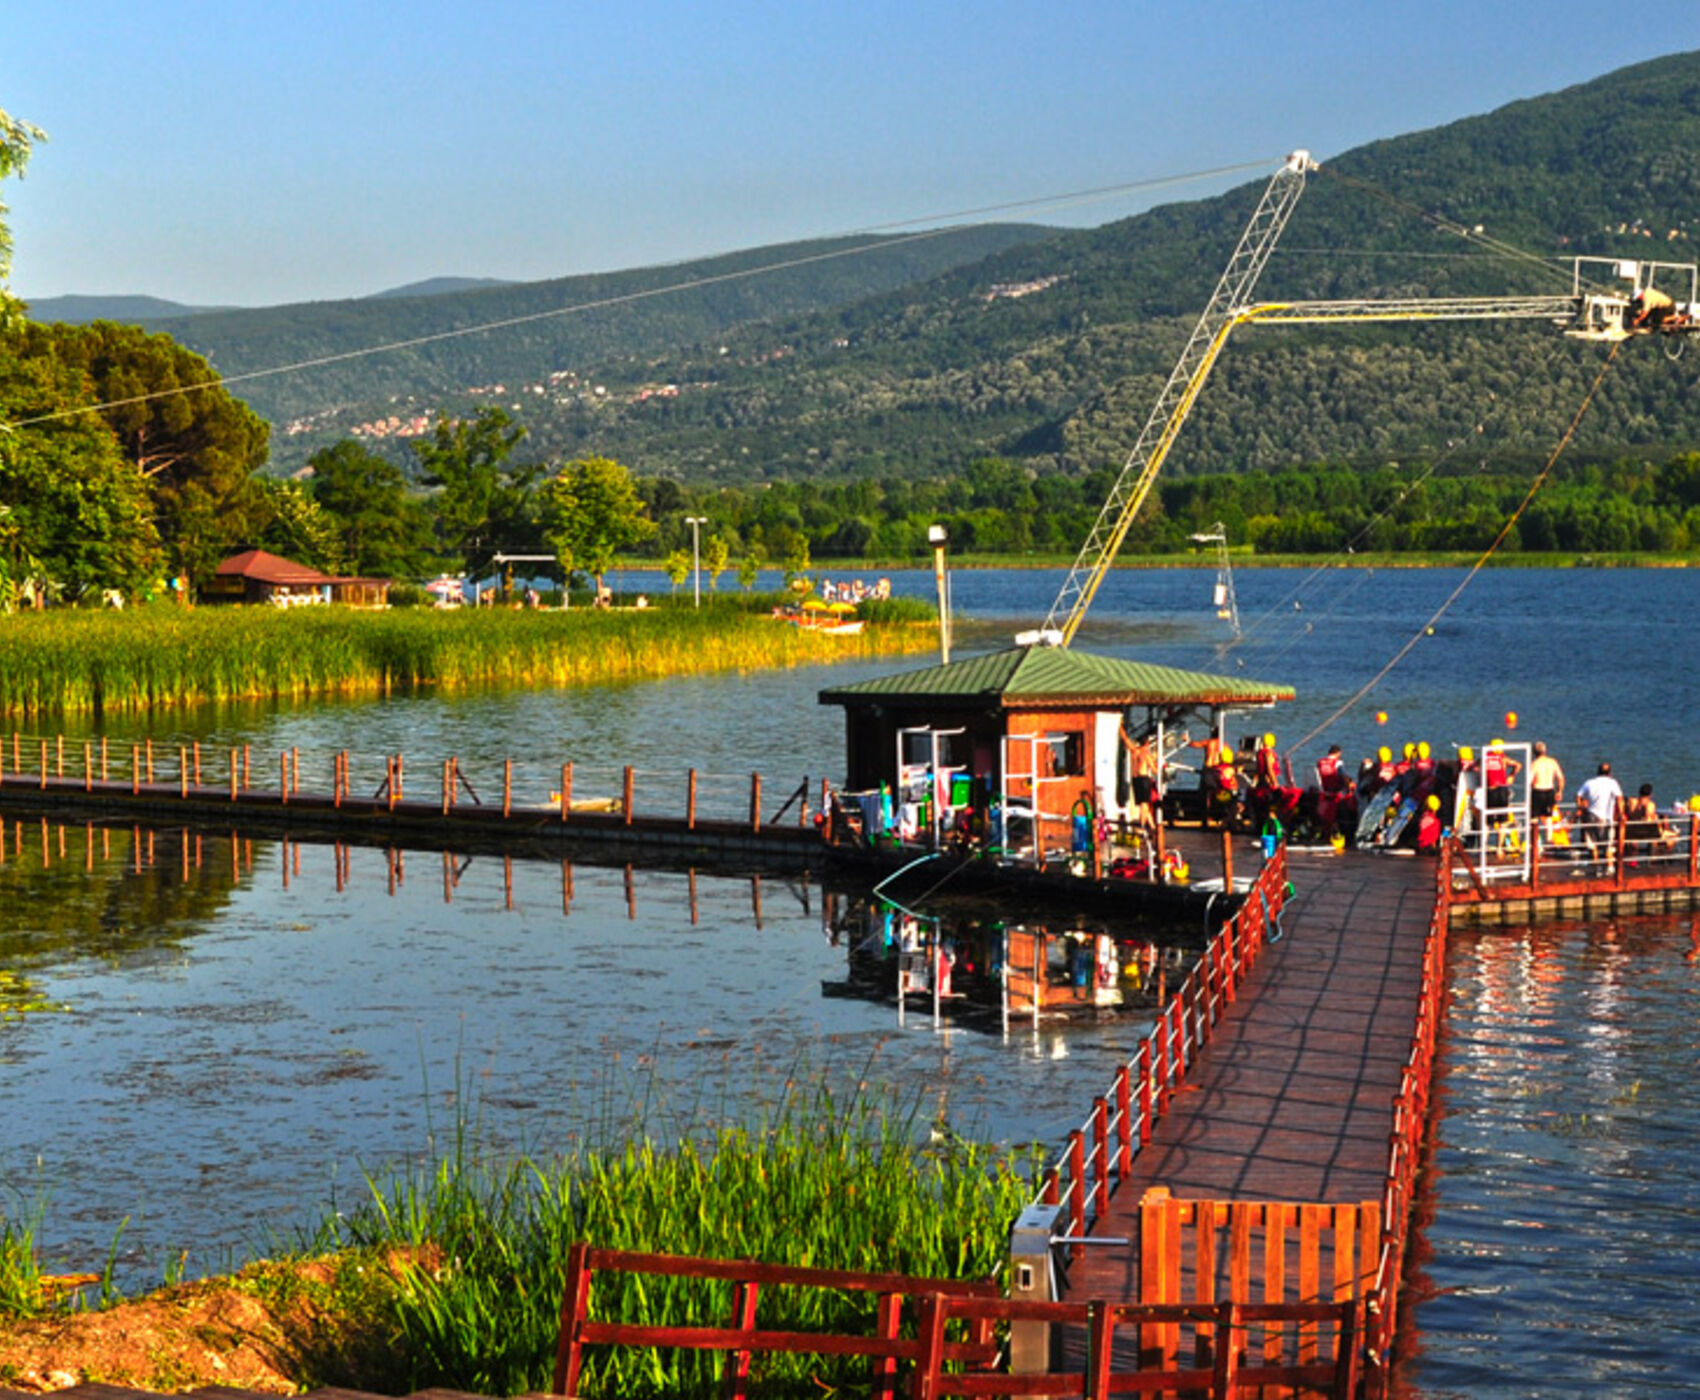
(1053, 678)
(269, 568)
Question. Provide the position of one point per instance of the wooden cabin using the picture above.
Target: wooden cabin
(254, 576)
(1036, 731)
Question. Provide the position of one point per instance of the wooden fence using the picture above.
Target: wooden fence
(1290, 1349)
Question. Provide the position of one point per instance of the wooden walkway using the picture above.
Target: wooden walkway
(1293, 1099)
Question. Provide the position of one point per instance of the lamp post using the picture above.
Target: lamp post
(937, 536)
(696, 522)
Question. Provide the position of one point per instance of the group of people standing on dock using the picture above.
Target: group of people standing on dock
(1412, 800)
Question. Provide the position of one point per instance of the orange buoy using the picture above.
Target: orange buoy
(1381, 716)
(1511, 719)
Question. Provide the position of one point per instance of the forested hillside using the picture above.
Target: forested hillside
(569, 323)
(1060, 376)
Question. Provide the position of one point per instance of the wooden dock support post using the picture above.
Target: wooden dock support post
(247, 766)
(182, 770)
(295, 770)
(755, 801)
(803, 806)
(691, 804)
(44, 764)
(508, 799)
(283, 776)
(235, 776)
(197, 763)
(103, 758)
(448, 785)
(627, 789)
(88, 766)
(135, 769)
(59, 741)
(566, 790)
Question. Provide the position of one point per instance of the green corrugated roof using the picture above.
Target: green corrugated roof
(1054, 676)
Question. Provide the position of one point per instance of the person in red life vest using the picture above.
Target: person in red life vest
(1423, 765)
(1498, 769)
(1227, 785)
(1429, 828)
(1406, 759)
(1330, 776)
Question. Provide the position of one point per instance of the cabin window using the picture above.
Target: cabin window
(1067, 755)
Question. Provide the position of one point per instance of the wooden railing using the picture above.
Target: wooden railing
(1235, 1347)
(1405, 1144)
(741, 1339)
(1304, 1253)
(191, 771)
(1239, 1348)
(1101, 1152)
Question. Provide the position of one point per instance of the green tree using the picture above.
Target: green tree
(591, 511)
(678, 567)
(484, 506)
(750, 566)
(797, 563)
(191, 441)
(17, 139)
(76, 513)
(385, 530)
(715, 556)
(298, 527)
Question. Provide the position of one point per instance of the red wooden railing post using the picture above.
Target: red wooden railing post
(736, 1384)
(1124, 1122)
(575, 1304)
(1076, 1188)
(1100, 1156)
(1144, 1062)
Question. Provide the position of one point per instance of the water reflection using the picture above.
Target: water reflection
(1564, 1234)
(253, 1021)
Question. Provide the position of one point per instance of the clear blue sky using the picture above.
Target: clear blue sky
(263, 151)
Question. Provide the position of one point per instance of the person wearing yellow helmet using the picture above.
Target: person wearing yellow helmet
(1498, 769)
(1430, 827)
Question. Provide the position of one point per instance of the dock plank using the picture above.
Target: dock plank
(1293, 1097)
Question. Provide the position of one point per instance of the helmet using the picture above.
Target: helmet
(1433, 803)
(1385, 754)
(1410, 750)
(1467, 754)
(1423, 749)
(1268, 741)
(1694, 803)
(1497, 744)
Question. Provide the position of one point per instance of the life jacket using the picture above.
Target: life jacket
(1493, 768)
(1328, 773)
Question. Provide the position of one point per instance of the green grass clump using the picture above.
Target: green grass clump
(824, 1181)
(71, 661)
(23, 1290)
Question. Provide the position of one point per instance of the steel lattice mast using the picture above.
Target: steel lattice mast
(1226, 304)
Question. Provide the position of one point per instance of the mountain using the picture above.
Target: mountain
(485, 339)
(1047, 346)
(441, 286)
(1051, 352)
(79, 310)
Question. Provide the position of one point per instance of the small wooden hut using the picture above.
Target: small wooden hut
(254, 576)
(1039, 730)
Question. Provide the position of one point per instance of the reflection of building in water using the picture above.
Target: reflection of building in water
(985, 969)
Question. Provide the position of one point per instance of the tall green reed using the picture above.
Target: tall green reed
(831, 1177)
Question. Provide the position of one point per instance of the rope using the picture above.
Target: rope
(1476, 568)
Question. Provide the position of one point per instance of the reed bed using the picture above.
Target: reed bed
(92, 662)
(852, 1182)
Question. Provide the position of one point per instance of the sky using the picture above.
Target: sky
(257, 152)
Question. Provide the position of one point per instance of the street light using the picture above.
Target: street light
(937, 535)
(696, 521)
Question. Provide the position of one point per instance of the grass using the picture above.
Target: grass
(71, 661)
(829, 1178)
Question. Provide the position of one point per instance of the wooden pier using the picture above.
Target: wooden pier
(1261, 1146)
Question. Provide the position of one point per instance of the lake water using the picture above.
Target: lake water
(237, 1047)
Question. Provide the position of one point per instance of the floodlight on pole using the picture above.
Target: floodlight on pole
(938, 536)
(696, 522)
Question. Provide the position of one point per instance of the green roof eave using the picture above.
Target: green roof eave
(1053, 678)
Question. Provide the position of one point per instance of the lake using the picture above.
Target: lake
(243, 1038)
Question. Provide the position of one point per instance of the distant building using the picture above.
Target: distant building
(255, 576)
